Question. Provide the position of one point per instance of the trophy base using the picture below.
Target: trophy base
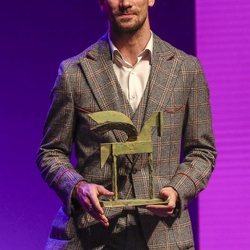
(133, 202)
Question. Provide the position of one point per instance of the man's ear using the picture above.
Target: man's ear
(151, 3)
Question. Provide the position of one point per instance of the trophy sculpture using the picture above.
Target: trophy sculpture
(135, 144)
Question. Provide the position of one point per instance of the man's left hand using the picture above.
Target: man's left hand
(165, 210)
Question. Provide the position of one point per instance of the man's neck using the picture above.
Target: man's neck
(130, 44)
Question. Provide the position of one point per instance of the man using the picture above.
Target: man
(132, 71)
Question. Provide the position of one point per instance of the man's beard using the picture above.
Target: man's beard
(119, 28)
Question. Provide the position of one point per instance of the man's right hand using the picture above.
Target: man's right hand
(87, 195)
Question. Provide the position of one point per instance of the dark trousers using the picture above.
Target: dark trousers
(127, 232)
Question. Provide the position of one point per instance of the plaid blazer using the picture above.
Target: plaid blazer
(87, 83)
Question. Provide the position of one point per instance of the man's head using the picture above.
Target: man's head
(126, 16)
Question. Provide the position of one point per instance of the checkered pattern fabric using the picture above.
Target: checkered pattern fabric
(87, 83)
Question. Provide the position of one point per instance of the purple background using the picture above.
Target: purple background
(35, 37)
(223, 45)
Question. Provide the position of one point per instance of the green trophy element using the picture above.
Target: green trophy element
(135, 144)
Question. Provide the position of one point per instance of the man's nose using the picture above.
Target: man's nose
(125, 3)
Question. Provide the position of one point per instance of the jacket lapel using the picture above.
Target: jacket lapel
(164, 71)
(165, 68)
(97, 66)
(98, 70)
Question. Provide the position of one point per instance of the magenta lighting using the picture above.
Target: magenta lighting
(223, 46)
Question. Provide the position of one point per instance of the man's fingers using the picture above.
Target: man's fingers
(161, 207)
(91, 209)
(168, 193)
(161, 210)
(87, 195)
(99, 217)
(96, 203)
(103, 191)
(93, 196)
(91, 204)
(157, 206)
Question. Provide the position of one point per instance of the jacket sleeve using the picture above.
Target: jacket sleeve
(198, 141)
(53, 157)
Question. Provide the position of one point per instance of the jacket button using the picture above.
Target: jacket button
(134, 171)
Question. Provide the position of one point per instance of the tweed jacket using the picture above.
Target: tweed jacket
(87, 83)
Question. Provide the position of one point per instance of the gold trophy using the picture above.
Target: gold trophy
(135, 144)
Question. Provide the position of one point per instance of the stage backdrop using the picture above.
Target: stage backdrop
(35, 37)
(223, 45)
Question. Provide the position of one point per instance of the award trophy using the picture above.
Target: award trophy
(135, 144)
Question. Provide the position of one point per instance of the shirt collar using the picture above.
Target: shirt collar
(116, 53)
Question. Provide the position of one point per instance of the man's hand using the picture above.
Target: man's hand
(87, 195)
(165, 210)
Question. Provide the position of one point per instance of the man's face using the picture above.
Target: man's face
(126, 15)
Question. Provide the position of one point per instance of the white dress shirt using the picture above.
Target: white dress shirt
(133, 78)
